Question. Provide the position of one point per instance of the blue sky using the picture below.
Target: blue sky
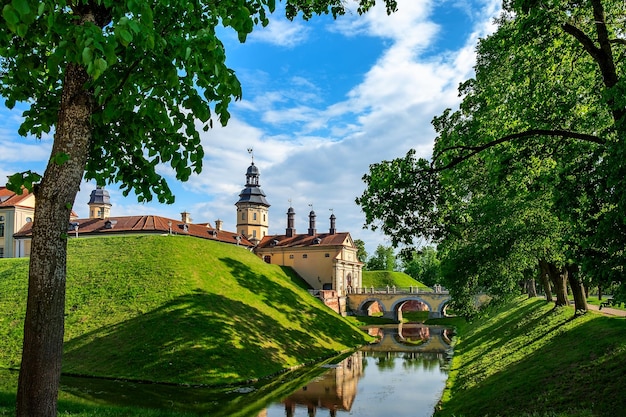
(322, 100)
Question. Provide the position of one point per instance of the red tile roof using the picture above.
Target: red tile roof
(325, 239)
(10, 199)
(144, 224)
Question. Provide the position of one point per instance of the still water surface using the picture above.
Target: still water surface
(402, 375)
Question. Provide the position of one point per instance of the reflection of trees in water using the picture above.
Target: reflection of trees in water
(425, 361)
(408, 360)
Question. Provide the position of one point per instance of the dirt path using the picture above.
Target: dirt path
(608, 311)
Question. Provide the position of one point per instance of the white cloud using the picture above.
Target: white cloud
(281, 32)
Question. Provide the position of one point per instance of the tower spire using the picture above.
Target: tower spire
(252, 207)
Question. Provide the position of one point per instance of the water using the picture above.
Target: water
(403, 375)
(370, 384)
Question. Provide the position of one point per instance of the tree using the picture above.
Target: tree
(424, 266)
(86, 69)
(384, 259)
(526, 171)
(361, 252)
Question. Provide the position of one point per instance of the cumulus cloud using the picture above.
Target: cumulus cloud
(281, 32)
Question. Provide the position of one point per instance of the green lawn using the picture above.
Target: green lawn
(531, 360)
(177, 309)
(381, 279)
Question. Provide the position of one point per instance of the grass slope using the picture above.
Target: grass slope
(380, 279)
(177, 309)
(531, 360)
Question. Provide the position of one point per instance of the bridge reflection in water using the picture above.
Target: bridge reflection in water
(335, 392)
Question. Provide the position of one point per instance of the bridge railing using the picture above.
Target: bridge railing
(396, 290)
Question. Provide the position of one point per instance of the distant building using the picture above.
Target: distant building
(15, 212)
(326, 261)
(99, 203)
(252, 208)
(100, 223)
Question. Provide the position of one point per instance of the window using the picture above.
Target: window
(267, 259)
(327, 255)
(264, 217)
(254, 216)
(1, 252)
(304, 256)
(243, 216)
(1, 229)
(291, 256)
(254, 234)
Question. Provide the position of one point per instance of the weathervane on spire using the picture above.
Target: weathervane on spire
(250, 151)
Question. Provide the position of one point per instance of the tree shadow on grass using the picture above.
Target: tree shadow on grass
(581, 369)
(299, 307)
(200, 338)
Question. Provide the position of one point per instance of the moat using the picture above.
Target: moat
(402, 375)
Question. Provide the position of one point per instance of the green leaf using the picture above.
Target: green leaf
(125, 36)
(10, 16)
(59, 158)
(22, 7)
(22, 29)
(24, 179)
(87, 56)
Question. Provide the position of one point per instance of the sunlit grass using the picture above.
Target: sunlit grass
(382, 279)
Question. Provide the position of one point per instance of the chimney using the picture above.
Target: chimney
(312, 230)
(218, 225)
(186, 217)
(333, 229)
(291, 216)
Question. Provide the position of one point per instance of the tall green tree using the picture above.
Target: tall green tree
(122, 84)
(383, 259)
(526, 171)
(361, 253)
(424, 266)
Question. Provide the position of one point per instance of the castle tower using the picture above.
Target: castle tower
(252, 208)
(99, 204)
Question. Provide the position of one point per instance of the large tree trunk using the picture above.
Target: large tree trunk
(578, 289)
(531, 288)
(545, 281)
(559, 280)
(44, 323)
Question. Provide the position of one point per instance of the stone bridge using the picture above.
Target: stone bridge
(391, 300)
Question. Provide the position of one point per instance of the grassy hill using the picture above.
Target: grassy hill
(531, 360)
(380, 279)
(177, 309)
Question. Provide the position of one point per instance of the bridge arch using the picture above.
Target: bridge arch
(397, 305)
(368, 302)
(391, 302)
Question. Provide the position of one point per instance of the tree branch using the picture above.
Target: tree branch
(474, 150)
